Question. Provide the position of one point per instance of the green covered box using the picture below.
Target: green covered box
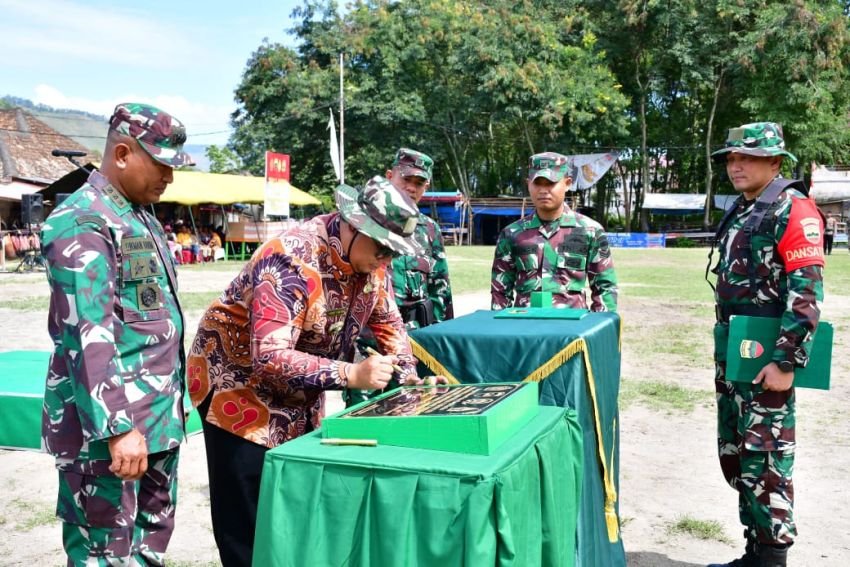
(22, 377)
(463, 418)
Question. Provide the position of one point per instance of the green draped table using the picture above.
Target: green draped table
(383, 506)
(22, 378)
(577, 365)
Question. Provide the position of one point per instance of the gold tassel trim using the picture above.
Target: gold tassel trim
(611, 520)
(612, 523)
(432, 363)
(560, 358)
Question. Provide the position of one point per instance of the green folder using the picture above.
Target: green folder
(540, 313)
(751, 344)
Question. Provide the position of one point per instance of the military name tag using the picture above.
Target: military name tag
(149, 296)
(137, 244)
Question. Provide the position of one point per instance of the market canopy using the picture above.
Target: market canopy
(830, 185)
(194, 187)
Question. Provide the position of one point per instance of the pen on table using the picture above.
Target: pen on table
(373, 352)
(357, 442)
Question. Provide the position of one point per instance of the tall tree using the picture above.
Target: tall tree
(478, 87)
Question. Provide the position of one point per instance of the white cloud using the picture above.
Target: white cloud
(205, 124)
(69, 32)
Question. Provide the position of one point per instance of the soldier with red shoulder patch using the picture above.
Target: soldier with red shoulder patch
(771, 265)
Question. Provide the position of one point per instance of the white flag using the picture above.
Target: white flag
(334, 146)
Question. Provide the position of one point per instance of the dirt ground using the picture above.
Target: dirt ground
(667, 457)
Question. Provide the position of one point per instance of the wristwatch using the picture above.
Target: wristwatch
(785, 365)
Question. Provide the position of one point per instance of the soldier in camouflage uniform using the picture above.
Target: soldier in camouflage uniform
(775, 272)
(421, 283)
(556, 250)
(113, 405)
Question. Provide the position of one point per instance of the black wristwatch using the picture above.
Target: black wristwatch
(785, 365)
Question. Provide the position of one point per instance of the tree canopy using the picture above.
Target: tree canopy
(481, 86)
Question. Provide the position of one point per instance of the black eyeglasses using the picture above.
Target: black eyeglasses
(382, 252)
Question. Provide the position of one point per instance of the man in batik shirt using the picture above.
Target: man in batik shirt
(554, 250)
(284, 332)
(113, 405)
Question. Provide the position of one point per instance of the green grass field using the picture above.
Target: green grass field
(669, 275)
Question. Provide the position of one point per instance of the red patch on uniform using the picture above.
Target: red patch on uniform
(802, 243)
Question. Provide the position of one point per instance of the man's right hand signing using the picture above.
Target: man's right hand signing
(371, 373)
(129, 452)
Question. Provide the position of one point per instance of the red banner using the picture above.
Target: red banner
(277, 167)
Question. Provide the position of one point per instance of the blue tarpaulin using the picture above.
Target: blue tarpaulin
(636, 239)
(445, 214)
(505, 212)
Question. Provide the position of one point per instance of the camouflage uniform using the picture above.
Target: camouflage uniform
(558, 256)
(117, 363)
(421, 283)
(756, 441)
(419, 279)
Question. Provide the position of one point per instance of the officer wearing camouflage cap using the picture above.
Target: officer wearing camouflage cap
(421, 283)
(556, 249)
(771, 265)
(113, 405)
(284, 332)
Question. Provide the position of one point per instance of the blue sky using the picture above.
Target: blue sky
(186, 57)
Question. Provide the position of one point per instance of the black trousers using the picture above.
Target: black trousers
(827, 243)
(235, 467)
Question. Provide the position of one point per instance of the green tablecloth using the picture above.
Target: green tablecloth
(22, 377)
(386, 506)
(577, 363)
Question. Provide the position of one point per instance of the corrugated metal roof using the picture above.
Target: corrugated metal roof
(25, 146)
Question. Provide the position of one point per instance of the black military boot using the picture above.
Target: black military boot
(773, 556)
(749, 559)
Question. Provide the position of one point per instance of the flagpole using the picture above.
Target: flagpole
(341, 125)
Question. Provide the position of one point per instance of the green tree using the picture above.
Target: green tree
(223, 160)
(479, 87)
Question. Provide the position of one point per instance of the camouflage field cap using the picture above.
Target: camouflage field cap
(381, 212)
(550, 165)
(763, 139)
(159, 133)
(411, 162)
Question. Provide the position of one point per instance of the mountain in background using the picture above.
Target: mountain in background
(86, 128)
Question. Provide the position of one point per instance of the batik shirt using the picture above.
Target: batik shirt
(116, 327)
(283, 332)
(559, 256)
(789, 270)
(416, 278)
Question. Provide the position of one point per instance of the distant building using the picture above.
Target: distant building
(26, 163)
(830, 188)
